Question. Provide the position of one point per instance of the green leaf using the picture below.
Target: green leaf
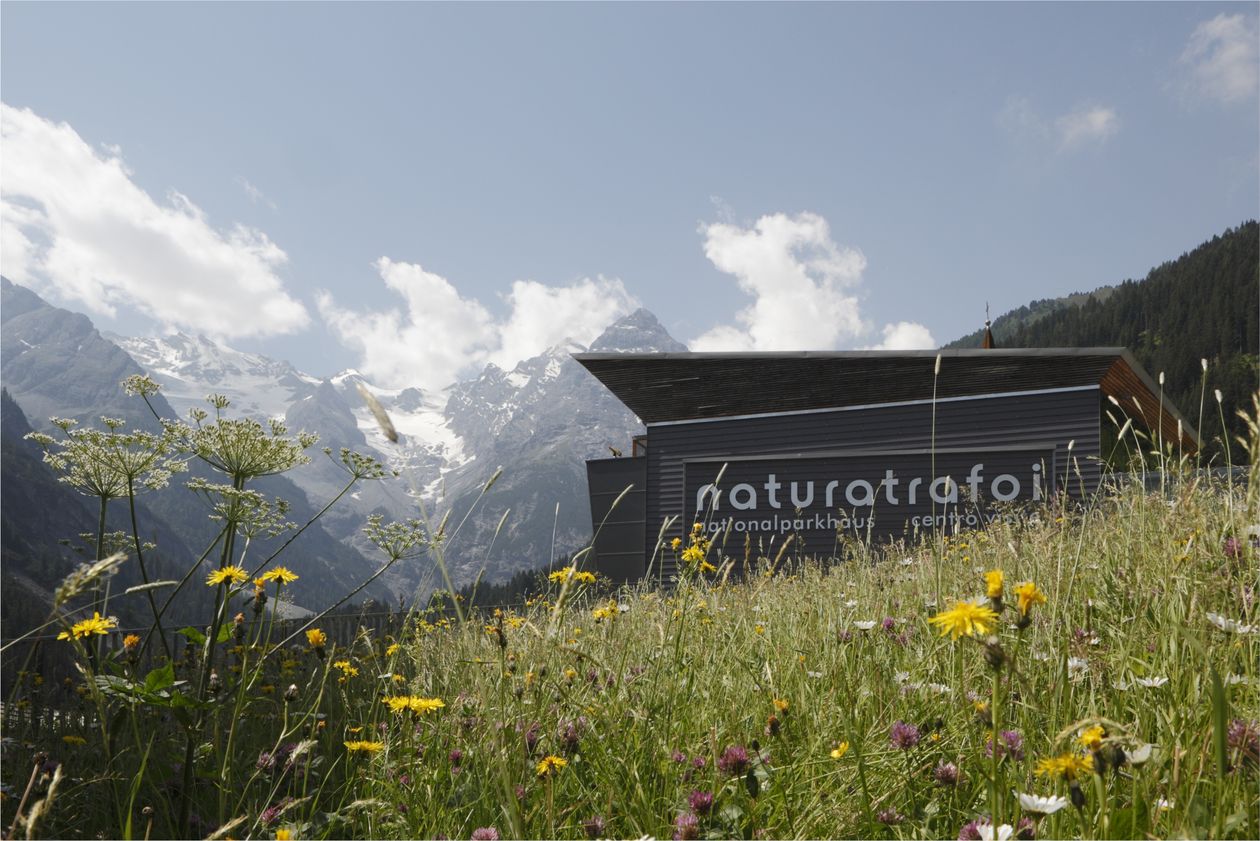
(160, 678)
(225, 634)
(195, 636)
(1220, 722)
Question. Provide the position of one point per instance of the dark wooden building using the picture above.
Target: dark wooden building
(873, 444)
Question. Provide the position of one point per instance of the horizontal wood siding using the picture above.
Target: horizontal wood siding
(1054, 418)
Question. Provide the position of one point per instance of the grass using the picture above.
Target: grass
(796, 700)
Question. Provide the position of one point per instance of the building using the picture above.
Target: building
(873, 444)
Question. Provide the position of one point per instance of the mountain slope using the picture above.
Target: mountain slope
(1203, 305)
(54, 362)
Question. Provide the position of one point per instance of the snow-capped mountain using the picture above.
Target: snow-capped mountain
(539, 422)
(192, 367)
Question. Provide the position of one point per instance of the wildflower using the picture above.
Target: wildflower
(1025, 830)
(946, 774)
(73, 740)
(686, 827)
(693, 553)
(392, 650)
(890, 817)
(346, 669)
(701, 802)
(904, 736)
(864, 624)
(549, 765)
(284, 834)
(759, 629)
(675, 543)
(424, 706)
(733, 761)
(1244, 737)
(993, 580)
(1151, 682)
(965, 618)
(85, 628)
(781, 704)
(1010, 744)
(283, 575)
(888, 624)
(1026, 596)
(1230, 626)
(485, 833)
(231, 573)
(316, 639)
(1067, 766)
(1039, 805)
(1091, 737)
(990, 833)
(971, 831)
(130, 642)
(1077, 667)
(594, 826)
(364, 747)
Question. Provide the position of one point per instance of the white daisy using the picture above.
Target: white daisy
(864, 624)
(1041, 805)
(1151, 682)
(1002, 833)
(850, 604)
(1233, 679)
(1229, 626)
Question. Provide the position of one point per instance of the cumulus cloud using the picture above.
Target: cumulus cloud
(906, 335)
(802, 284)
(1084, 125)
(438, 334)
(76, 225)
(1091, 124)
(1222, 60)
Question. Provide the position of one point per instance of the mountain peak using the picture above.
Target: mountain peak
(638, 332)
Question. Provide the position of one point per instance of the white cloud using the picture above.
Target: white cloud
(1091, 124)
(256, 195)
(906, 335)
(802, 286)
(1080, 127)
(1222, 59)
(438, 334)
(74, 224)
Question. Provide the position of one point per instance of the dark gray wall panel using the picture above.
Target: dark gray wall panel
(1051, 418)
(618, 548)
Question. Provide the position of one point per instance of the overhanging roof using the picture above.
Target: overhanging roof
(660, 387)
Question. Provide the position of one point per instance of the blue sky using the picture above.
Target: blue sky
(416, 190)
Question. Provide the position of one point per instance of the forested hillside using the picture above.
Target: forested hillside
(1203, 305)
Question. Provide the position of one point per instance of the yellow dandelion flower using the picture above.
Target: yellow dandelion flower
(364, 747)
(993, 580)
(561, 575)
(759, 629)
(1068, 766)
(234, 574)
(392, 650)
(1028, 595)
(705, 566)
(282, 574)
(316, 638)
(693, 553)
(398, 678)
(549, 765)
(284, 834)
(398, 703)
(965, 618)
(840, 750)
(131, 641)
(347, 670)
(87, 627)
(675, 543)
(1091, 737)
(781, 704)
(424, 706)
